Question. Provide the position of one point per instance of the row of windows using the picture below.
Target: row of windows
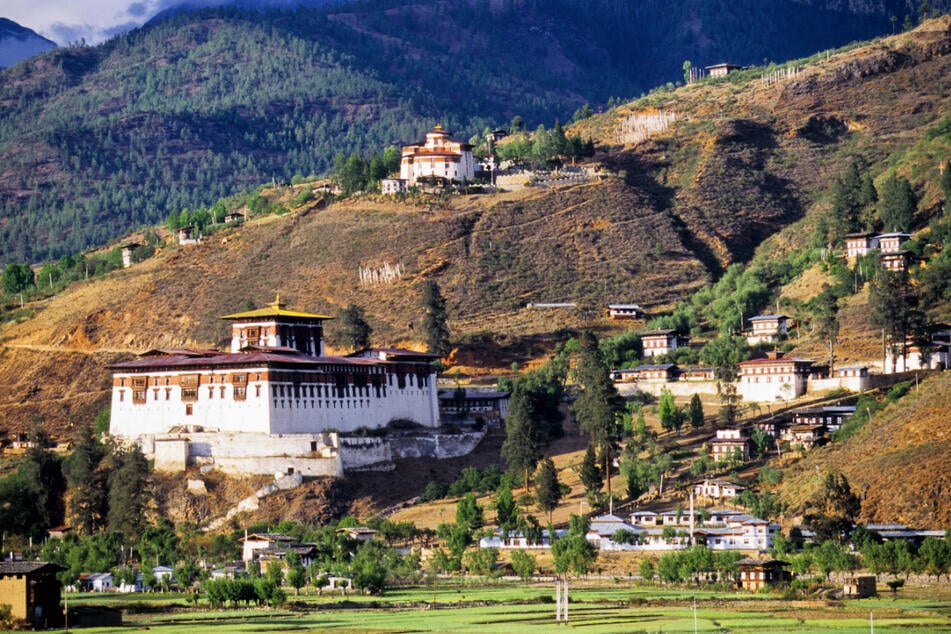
(326, 404)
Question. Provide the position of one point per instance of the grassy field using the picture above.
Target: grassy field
(507, 607)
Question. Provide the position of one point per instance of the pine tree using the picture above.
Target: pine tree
(87, 483)
(695, 412)
(589, 473)
(894, 305)
(826, 311)
(521, 448)
(598, 406)
(434, 319)
(129, 491)
(506, 509)
(548, 488)
(353, 327)
(897, 204)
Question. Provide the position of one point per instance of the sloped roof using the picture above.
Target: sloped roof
(8, 568)
(274, 309)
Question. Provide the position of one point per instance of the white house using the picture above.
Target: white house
(658, 342)
(730, 442)
(776, 377)
(859, 244)
(625, 311)
(717, 489)
(438, 157)
(766, 329)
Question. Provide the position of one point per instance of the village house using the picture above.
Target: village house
(658, 342)
(776, 377)
(717, 489)
(393, 186)
(831, 417)
(127, 250)
(756, 574)
(625, 311)
(32, 591)
(717, 529)
(186, 236)
(96, 581)
(766, 329)
(722, 69)
(891, 242)
(932, 351)
(437, 158)
(805, 436)
(358, 533)
(859, 244)
(469, 404)
(860, 587)
(256, 542)
(730, 443)
(661, 372)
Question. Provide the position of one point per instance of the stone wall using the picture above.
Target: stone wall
(676, 388)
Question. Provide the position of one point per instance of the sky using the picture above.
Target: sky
(69, 21)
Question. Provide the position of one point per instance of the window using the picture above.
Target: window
(138, 395)
(188, 409)
(239, 379)
(257, 390)
(241, 392)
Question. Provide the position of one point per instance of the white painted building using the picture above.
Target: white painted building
(274, 382)
(766, 329)
(776, 377)
(658, 342)
(438, 157)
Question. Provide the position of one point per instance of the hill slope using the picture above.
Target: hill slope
(96, 141)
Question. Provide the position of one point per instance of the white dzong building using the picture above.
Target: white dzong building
(275, 383)
(438, 158)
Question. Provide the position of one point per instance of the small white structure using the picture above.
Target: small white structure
(891, 242)
(860, 244)
(722, 69)
(729, 443)
(717, 489)
(257, 542)
(97, 582)
(658, 342)
(932, 353)
(437, 158)
(766, 329)
(625, 311)
(393, 186)
(776, 377)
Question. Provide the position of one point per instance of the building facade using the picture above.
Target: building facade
(776, 377)
(438, 158)
(275, 380)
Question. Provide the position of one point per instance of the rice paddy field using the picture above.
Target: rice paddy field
(524, 608)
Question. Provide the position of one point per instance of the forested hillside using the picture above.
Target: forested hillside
(199, 105)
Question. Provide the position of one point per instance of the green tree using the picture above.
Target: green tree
(468, 513)
(506, 509)
(87, 482)
(574, 553)
(825, 308)
(548, 488)
(434, 319)
(897, 204)
(18, 278)
(598, 407)
(130, 488)
(831, 512)
(849, 203)
(31, 500)
(671, 417)
(296, 575)
(946, 187)
(695, 412)
(523, 564)
(646, 569)
(725, 354)
(353, 327)
(589, 472)
(521, 447)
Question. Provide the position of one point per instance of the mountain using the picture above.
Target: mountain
(202, 104)
(743, 170)
(18, 42)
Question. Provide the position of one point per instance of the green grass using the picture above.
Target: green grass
(506, 607)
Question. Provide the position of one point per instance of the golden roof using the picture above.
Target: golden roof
(275, 309)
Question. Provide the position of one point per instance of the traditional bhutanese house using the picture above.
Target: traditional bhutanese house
(891, 242)
(491, 406)
(722, 70)
(805, 436)
(730, 442)
(756, 574)
(437, 158)
(625, 311)
(717, 489)
(234, 218)
(58, 532)
(256, 542)
(186, 235)
(127, 250)
(32, 591)
(646, 518)
(306, 553)
(766, 329)
(392, 185)
(830, 416)
(661, 372)
(770, 426)
(698, 374)
(658, 342)
(930, 352)
(860, 244)
(358, 533)
(897, 261)
(625, 375)
(776, 377)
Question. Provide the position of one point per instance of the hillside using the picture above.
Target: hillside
(898, 462)
(18, 42)
(95, 141)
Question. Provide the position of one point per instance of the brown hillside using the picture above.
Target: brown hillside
(900, 462)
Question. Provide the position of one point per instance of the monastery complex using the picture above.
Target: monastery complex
(273, 402)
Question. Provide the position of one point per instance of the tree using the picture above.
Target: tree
(725, 354)
(468, 513)
(946, 187)
(87, 483)
(296, 575)
(523, 564)
(831, 512)
(671, 418)
(695, 412)
(825, 307)
(897, 204)
(129, 487)
(646, 569)
(589, 473)
(687, 75)
(521, 448)
(574, 553)
(850, 200)
(506, 509)
(598, 406)
(548, 491)
(354, 329)
(434, 319)
(894, 306)
(31, 500)
(17, 278)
